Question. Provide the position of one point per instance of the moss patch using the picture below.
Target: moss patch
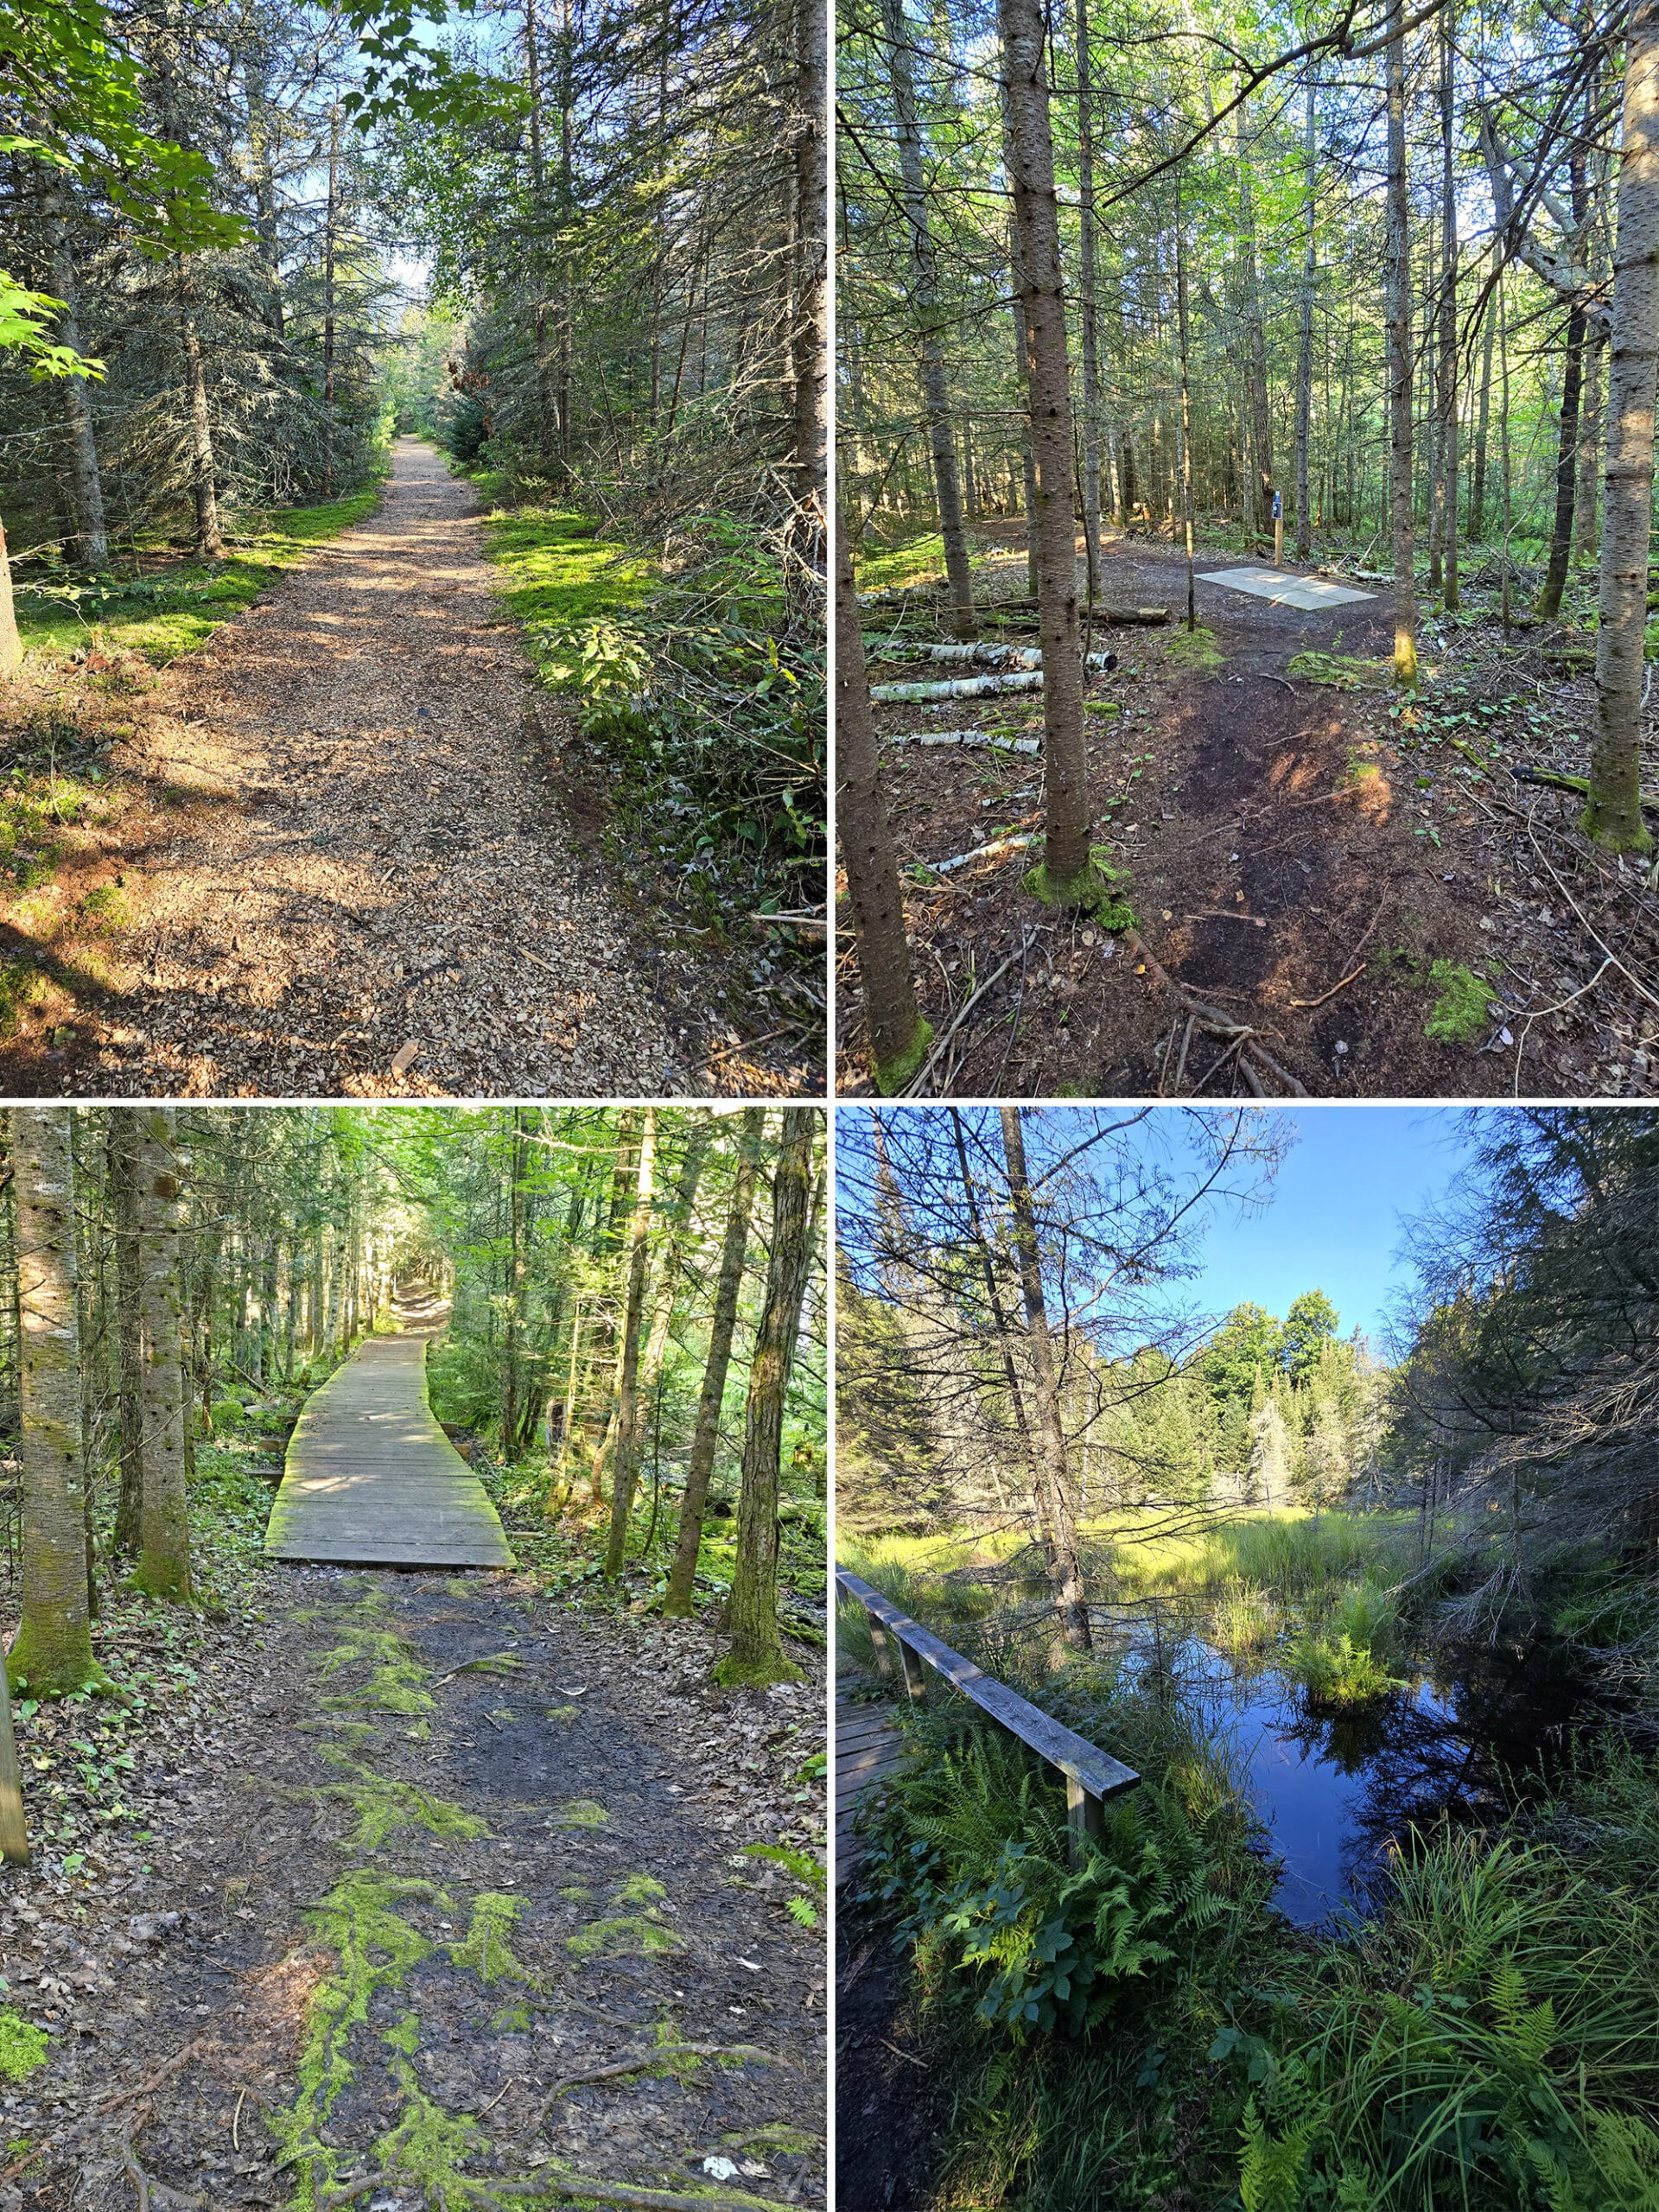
(629, 1935)
(1459, 1014)
(1097, 889)
(1195, 649)
(580, 1812)
(1339, 672)
(383, 1807)
(24, 2049)
(558, 571)
(484, 1950)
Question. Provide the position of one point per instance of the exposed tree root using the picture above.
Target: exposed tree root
(1242, 1042)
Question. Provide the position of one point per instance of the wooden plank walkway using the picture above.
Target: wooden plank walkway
(868, 1748)
(372, 1480)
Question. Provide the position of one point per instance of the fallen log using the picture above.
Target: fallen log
(963, 687)
(961, 737)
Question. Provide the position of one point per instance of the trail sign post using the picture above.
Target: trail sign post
(1278, 529)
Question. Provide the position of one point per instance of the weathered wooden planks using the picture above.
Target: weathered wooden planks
(1091, 1775)
(868, 1748)
(372, 1480)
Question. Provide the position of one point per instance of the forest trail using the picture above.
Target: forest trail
(370, 1478)
(367, 861)
(393, 1932)
(867, 1746)
(1293, 855)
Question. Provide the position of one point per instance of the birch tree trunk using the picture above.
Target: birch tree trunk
(1066, 876)
(626, 1458)
(1069, 1599)
(705, 1439)
(164, 1568)
(1613, 816)
(1304, 332)
(53, 1649)
(925, 282)
(757, 1653)
(898, 1037)
(1400, 338)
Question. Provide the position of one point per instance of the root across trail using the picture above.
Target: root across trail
(1329, 897)
(452, 1897)
(353, 880)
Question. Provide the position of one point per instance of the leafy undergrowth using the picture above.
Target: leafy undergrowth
(1143, 2030)
(171, 603)
(699, 698)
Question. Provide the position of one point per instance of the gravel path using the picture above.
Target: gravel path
(367, 860)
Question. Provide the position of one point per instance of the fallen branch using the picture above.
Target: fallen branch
(1578, 783)
(791, 921)
(914, 1087)
(1239, 1035)
(584, 2186)
(637, 2060)
(504, 1660)
(1365, 938)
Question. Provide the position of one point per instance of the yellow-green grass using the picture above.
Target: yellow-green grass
(913, 561)
(557, 571)
(174, 610)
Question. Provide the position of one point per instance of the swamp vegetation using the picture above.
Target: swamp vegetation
(1377, 1926)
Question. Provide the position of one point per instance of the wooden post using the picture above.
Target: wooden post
(1278, 529)
(915, 1680)
(14, 1835)
(1083, 1819)
(883, 1649)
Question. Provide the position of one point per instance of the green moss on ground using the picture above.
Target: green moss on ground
(174, 610)
(383, 1806)
(1195, 649)
(1459, 1013)
(24, 2049)
(484, 1950)
(558, 571)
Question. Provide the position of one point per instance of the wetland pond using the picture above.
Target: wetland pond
(1459, 1742)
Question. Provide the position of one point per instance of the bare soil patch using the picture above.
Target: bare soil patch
(1296, 855)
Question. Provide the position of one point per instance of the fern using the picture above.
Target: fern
(1273, 2174)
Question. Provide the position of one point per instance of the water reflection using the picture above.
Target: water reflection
(1462, 1743)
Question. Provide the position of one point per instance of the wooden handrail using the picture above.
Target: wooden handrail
(1091, 1775)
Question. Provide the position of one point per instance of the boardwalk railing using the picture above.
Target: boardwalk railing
(1091, 1775)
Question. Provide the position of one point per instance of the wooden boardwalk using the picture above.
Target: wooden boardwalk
(868, 1747)
(372, 1480)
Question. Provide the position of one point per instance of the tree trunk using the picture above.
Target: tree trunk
(1399, 348)
(1091, 306)
(1613, 816)
(53, 1649)
(1566, 469)
(626, 1456)
(1587, 534)
(1446, 386)
(1069, 1599)
(925, 282)
(517, 1265)
(898, 1037)
(13, 1832)
(1478, 489)
(1304, 332)
(85, 485)
(1066, 876)
(1186, 411)
(757, 1654)
(164, 1568)
(121, 1178)
(328, 303)
(11, 645)
(1256, 364)
(705, 1440)
(209, 544)
(812, 396)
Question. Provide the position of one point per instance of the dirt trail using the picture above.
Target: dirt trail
(399, 1905)
(367, 859)
(1291, 856)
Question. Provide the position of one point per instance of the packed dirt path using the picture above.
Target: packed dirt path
(366, 860)
(409, 1912)
(1297, 854)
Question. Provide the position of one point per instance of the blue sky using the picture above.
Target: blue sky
(1335, 1220)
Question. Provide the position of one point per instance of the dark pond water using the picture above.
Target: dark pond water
(1459, 1745)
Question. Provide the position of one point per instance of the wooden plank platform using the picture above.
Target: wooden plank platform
(868, 1748)
(372, 1480)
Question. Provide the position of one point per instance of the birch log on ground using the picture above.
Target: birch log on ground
(1613, 816)
(1066, 876)
(53, 1649)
